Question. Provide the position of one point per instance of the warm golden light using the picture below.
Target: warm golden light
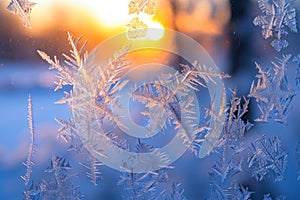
(155, 30)
(100, 16)
(111, 13)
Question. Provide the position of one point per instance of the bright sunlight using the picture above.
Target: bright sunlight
(112, 14)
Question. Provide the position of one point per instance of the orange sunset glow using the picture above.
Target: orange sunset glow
(110, 16)
(97, 20)
(89, 16)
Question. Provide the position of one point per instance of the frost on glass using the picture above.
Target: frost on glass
(272, 91)
(143, 185)
(222, 177)
(296, 60)
(267, 159)
(68, 133)
(162, 101)
(66, 74)
(59, 186)
(23, 8)
(137, 28)
(230, 148)
(235, 127)
(268, 197)
(149, 185)
(277, 17)
(93, 169)
(67, 71)
(29, 163)
(177, 192)
(146, 6)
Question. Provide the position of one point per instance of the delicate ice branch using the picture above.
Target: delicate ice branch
(277, 16)
(273, 91)
(94, 174)
(267, 159)
(29, 162)
(23, 8)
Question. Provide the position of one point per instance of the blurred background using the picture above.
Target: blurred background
(223, 27)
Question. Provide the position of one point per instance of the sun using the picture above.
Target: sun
(155, 31)
(112, 13)
(109, 15)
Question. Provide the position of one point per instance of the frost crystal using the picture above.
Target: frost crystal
(177, 192)
(33, 192)
(223, 184)
(59, 187)
(164, 101)
(143, 186)
(242, 193)
(66, 73)
(23, 8)
(146, 6)
(235, 127)
(267, 159)
(70, 136)
(273, 91)
(296, 59)
(137, 29)
(29, 162)
(276, 16)
(94, 173)
(280, 197)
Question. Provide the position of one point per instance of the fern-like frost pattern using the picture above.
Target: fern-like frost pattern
(267, 159)
(277, 16)
(59, 186)
(235, 127)
(32, 147)
(146, 186)
(273, 92)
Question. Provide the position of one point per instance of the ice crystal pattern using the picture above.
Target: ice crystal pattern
(66, 73)
(137, 28)
(156, 96)
(296, 60)
(148, 186)
(94, 174)
(23, 8)
(222, 177)
(230, 149)
(66, 77)
(146, 6)
(29, 162)
(59, 186)
(139, 185)
(277, 16)
(273, 92)
(268, 197)
(235, 127)
(267, 159)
